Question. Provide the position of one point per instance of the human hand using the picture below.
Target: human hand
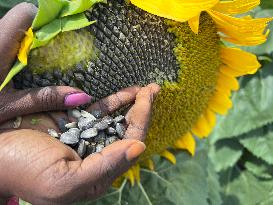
(43, 171)
(13, 102)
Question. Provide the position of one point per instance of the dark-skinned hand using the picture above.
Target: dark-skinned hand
(14, 102)
(40, 169)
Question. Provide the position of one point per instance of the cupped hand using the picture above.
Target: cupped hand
(13, 102)
(43, 171)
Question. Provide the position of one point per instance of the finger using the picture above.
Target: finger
(98, 171)
(13, 26)
(138, 117)
(40, 99)
(60, 119)
(40, 122)
(113, 102)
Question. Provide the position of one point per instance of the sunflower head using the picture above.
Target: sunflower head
(177, 44)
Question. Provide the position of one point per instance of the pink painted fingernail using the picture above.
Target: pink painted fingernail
(76, 99)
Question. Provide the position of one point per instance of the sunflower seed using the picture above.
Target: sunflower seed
(89, 133)
(120, 128)
(119, 118)
(100, 138)
(74, 113)
(101, 125)
(71, 125)
(82, 148)
(99, 147)
(17, 123)
(85, 123)
(69, 138)
(53, 133)
(75, 131)
(90, 149)
(107, 119)
(61, 124)
(88, 115)
(111, 131)
(111, 140)
(97, 113)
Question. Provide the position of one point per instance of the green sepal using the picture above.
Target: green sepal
(79, 6)
(45, 34)
(48, 12)
(75, 22)
(69, 23)
(14, 71)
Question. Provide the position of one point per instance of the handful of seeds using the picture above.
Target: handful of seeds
(91, 132)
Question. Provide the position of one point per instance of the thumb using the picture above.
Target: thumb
(23, 102)
(98, 171)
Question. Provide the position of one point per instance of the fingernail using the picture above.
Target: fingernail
(76, 99)
(135, 151)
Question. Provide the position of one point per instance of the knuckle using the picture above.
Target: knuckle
(48, 98)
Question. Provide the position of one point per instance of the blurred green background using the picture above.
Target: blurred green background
(234, 166)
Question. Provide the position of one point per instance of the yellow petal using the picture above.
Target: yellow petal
(242, 31)
(169, 156)
(178, 10)
(136, 172)
(130, 176)
(150, 164)
(211, 117)
(186, 142)
(194, 24)
(226, 83)
(220, 103)
(231, 72)
(236, 6)
(239, 60)
(202, 127)
(25, 47)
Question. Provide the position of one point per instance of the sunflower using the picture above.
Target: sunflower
(233, 63)
(178, 44)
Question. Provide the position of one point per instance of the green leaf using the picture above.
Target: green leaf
(258, 167)
(241, 187)
(183, 183)
(76, 7)
(252, 106)
(268, 200)
(260, 143)
(14, 70)
(48, 11)
(214, 197)
(225, 153)
(267, 4)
